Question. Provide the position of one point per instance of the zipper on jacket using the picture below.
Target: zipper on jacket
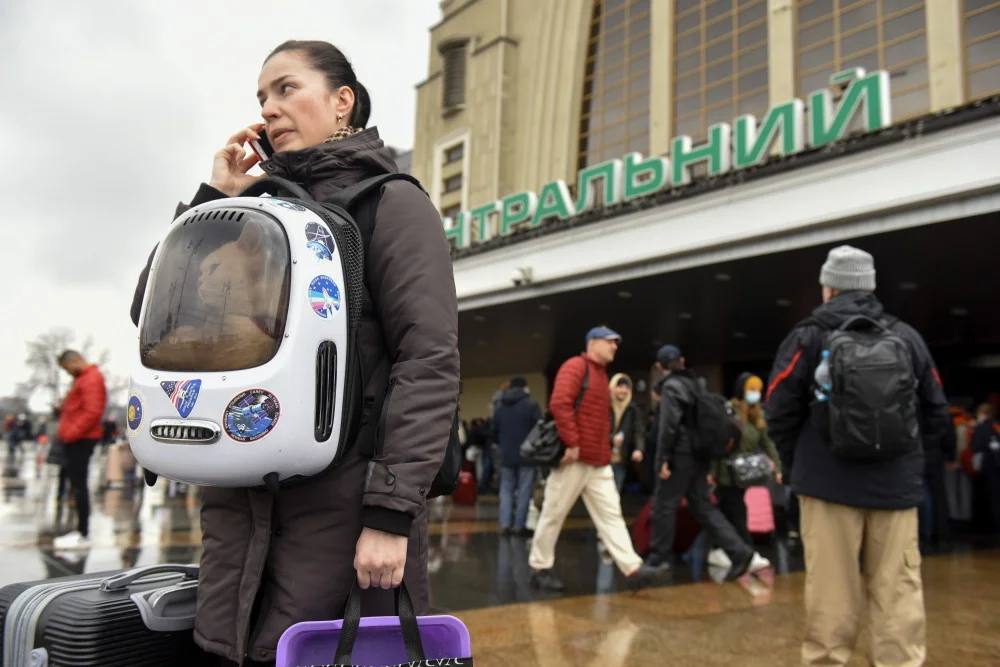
(383, 420)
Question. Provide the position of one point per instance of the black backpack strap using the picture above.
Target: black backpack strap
(275, 185)
(347, 198)
(583, 386)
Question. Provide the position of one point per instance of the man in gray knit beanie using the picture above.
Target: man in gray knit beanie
(848, 268)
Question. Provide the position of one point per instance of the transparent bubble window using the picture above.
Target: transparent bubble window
(219, 297)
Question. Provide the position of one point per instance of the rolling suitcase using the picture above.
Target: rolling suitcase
(142, 617)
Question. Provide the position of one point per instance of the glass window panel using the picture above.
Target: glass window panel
(859, 16)
(638, 6)
(589, 69)
(614, 38)
(639, 143)
(869, 61)
(691, 127)
(612, 76)
(814, 10)
(816, 57)
(638, 45)
(615, 133)
(717, 73)
(639, 104)
(903, 25)
(614, 114)
(909, 76)
(688, 105)
(684, 6)
(687, 85)
(715, 9)
(719, 50)
(984, 82)
(689, 22)
(755, 104)
(753, 36)
(818, 33)
(723, 114)
(688, 64)
(613, 151)
(638, 125)
(915, 47)
(890, 7)
(816, 81)
(859, 41)
(983, 24)
(638, 84)
(752, 13)
(984, 52)
(692, 41)
(612, 5)
(910, 104)
(613, 96)
(719, 29)
(754, 57)
(719, 93)
(753, 80)
(614, 19)
(614, 56)
(639, 25)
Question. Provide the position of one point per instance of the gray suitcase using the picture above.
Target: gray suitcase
(141, 617)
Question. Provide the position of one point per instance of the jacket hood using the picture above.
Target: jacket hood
(618, 407)
(846, 305)
(512, 396)
(335, 164)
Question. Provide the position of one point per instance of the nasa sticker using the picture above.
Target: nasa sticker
(287, 204)
(251, 415)
(319, 241)
(135, 413)
(183, 394)
(324, 296)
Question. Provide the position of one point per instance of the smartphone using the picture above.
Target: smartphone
(262, 147)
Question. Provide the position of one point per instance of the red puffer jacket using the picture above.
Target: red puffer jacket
(80, 418)
(589, 426)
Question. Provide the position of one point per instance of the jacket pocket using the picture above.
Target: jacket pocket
(383, 421)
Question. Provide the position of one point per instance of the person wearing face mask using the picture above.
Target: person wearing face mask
(747, 396)
(270, 562)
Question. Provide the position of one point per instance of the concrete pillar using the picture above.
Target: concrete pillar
(945, 54)
(781, 50)
(661, 75)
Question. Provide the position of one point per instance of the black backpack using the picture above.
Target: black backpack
(716, 425)
(542, 446)
(872, 408)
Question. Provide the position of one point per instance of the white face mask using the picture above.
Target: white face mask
(753, 397)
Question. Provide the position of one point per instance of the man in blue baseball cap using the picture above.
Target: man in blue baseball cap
(603, 333)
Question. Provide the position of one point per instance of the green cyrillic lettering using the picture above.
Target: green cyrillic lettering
(458, 230)
(752, 145)
(482, 215)
(516, 209)
(657, 167)
(872, 91)
(610, 173)
(553, 201)
(715, 151)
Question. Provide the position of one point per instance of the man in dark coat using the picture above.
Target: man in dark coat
(854, 504)
(513, 418)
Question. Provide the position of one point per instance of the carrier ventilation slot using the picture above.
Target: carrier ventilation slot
(326, 389)
(184, 432)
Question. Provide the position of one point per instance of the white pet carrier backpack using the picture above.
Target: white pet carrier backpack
(244, 370)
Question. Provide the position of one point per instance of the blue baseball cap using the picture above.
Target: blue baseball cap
(603, 333)
(668, 354)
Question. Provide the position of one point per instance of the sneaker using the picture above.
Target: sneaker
(644, 576)
(545, 580)
(758, 563)
(73, 540)
(718, 558)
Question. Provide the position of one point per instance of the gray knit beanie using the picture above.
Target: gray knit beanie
(848, 268)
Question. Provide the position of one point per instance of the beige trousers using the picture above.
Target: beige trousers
(600, 495)
(838, 593)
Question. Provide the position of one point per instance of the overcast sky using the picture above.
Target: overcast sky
(112, 110)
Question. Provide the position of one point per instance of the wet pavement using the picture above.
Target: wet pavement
(483, 578)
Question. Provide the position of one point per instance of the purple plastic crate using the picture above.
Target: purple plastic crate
(379, 642)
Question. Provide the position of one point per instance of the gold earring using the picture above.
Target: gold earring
(340, 117)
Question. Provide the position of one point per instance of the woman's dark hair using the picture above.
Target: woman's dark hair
(328, 59)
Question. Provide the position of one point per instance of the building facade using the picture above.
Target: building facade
(585, 143)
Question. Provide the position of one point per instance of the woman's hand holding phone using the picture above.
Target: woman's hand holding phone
(231, 164)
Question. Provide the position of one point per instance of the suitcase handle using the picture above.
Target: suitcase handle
(169, 609)
(122, 581)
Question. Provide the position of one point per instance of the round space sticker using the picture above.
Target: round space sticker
(287, 204)
(134, 413)
(319, 241)
(324, 296)
(251, 415)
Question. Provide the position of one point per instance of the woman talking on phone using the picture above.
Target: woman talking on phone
(269, 564)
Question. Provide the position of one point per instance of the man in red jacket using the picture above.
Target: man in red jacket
(80, 429)
(582, 414)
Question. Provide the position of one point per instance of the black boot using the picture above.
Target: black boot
(545, 580)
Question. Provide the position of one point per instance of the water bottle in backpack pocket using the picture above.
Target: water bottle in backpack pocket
(870, 393)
